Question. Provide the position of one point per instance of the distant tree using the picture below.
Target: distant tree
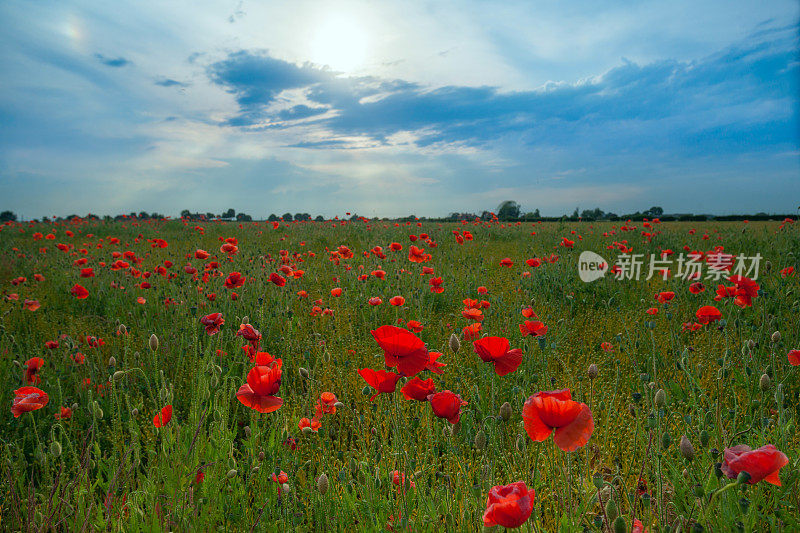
(592, 214)
(508, 210)
(354, 217)
(156, 216)
(287, 217)
(8, 216)
(272, 217)
(230, 213)
(654, 211)
(320, 218)
(186, 213)
(300, 217)
(143, 214)
(243, 217)
(575, 213)
(486, 215)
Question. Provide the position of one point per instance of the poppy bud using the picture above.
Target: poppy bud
(55, 448)
(454, 343)
(303, 373)
(611, 510)
(505, 411)
(480, 440)
(687, 450)
(322, 484)
(74, 407)
(245, 319)
(685, 474)
(743, 477)
(153, 343)
(456, 427)
(285, 488)
(98, 411)
(232, 473)
(768, 266)
(661, 398)
(247, 431)
(112, 361)
(764, 383)
(134, 412)
(776, 337)
(118, 375)
(751, 344)
(339, 405)
(592, 372)
(17, 363)
(122, 329)
(521, 444)
(620, 526)
(306, 429)
(698, 490)
(255, 470)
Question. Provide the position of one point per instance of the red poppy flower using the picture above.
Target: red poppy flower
(664, 297)
(327, 403)
(436, 285)
(162, 419)
(482, 290)
(418, 389)
(374, 301)
(65, 413)
(28, 399)
(607, 347)
(472, 314)
(313, 423)
(395, 247)
(415, 326)
(708, 314)
(697, 287)
(506, 262)
(434, 365)
(764, 463)
(534, 328)
(529, 313)
(794, 357)
(472, 331)
(400, 480)
(281, 478)
(397, 300)
(234, 280)
(31, 305)
(212, 322)
(496, 350)
(336, 292)
(32, 367)
(402, 349)
(548, 410)
(788, 271)
(418, 255)
(79, 292)
(87, 273)
(652, 311)
(263, 381)
(380, 380)
(277, 279)
(509, 506)
(746, 290)
(447, 404)
(201, 254)
(250, 334)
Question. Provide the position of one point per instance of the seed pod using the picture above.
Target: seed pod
(306, 430)
(687, 450)
(505, 411)
(743, 477)
(764, 383)
(480, 440)
(322, 483)
(592, 371)
(153, 343)
(666, 440)
(611, 510)
(454, 343)
(661, 398)
(620, 526)
(597, 480)
(776, 337)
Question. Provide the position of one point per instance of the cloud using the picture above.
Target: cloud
(168, 82)
(113, 61)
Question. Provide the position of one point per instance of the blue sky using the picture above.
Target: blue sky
(393, 108)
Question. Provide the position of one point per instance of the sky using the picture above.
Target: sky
(395, 108)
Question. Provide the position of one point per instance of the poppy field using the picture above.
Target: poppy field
(377, 375)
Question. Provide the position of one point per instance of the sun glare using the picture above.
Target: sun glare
(340, 42)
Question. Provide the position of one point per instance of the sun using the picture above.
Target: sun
(340, 42)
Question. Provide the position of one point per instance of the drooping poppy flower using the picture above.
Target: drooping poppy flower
(277, 279)
(534, 328)
(79, 292)
(28, 399)
(402, 349)
(235, 280)
(418, 389)
(32, 367)
(764, 463)
(433, 363)
(263, 382)
(509, 506)
(212, 322)
(380, 380)
(250, 334)
(162, 419)
(708, 314)
(447, 404)
(496, 350)
(794, 357)
(556, 410)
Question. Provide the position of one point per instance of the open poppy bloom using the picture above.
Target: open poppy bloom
(277, 279)
(162, 419)
(212, 322)
(496, 350)
(447, 404)
(534, 328)
(31, 305)
(472, 331)
(664, 297)
(794, 357)
(418, 389)
(28, 399)
(65, 413)
(402, 349)
(397, 301)
(548, 410)
(380, 380)
(234, 280)
(249, 333)
(314, 424)
(263, 381)
(509, 506)
(79, 292)
(708, 314)
(746, 290)
(764, 463)
(326, 403)
(434, 365)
